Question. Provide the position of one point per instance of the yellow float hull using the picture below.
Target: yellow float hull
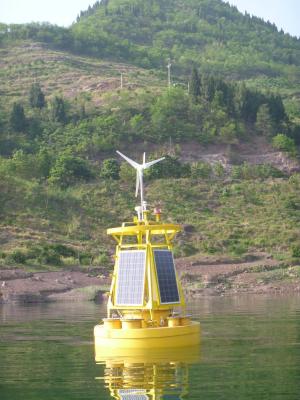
(147, 338)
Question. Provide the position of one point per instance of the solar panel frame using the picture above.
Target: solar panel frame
(166, 277)
(131, 276)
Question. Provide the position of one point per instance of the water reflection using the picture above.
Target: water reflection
(161, 374)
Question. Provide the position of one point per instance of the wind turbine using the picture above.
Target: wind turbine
(139, 173)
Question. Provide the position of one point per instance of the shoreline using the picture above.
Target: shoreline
(19, 286)
(205, 276)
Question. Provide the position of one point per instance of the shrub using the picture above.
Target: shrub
(219, 170)
(50, 253)
(110, 169)
(296, 251)
(285, 143)
(170, 167)
(201, 170)
(16, 257)
(260, 171)
(68, 170)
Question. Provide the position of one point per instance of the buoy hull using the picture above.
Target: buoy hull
(147, 338)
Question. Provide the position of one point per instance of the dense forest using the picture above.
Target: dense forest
(235, 80)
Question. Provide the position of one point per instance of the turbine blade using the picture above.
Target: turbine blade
(131, 162)
(144, 158)
(148, 164)
(137, 185)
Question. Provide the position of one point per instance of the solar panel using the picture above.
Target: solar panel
(133, 394)
(166, 276)
(131, 278)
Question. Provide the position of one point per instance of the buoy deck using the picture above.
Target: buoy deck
(156, 337)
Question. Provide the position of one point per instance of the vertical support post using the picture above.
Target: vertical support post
(169, 73)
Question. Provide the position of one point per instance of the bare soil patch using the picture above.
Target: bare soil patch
(20, 286)
(213, 276)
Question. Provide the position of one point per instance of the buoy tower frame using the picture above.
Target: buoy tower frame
(146, 235)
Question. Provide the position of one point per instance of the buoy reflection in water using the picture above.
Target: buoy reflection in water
(159, 375)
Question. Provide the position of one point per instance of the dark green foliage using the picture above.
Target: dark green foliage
(44, 162)
(276, 108)
(17, 118)
(294, 133)
(46, 254)
(201, 170)
(296, 251)
(169, 113)
(58, 109)
(264, 123)
(248, 103)
(16, 257)
(36, 96)
(69, 170)
(195, 84)
(28, 166)
(110, 169)
(49, 253)
(170, 167)
(260, 171)
(285, 143)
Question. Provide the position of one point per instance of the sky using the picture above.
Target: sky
(284, 13)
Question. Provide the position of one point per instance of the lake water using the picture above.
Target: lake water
(250, 349)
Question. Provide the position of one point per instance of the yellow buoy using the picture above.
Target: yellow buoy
(146, 307)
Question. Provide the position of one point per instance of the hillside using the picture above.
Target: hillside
(231, 174)
(72, 76)
(213, 35)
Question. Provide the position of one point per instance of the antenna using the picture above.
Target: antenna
(139, 174)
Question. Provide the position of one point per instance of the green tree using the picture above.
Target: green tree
(169, 114)
(69, 170)
(195, 84)
(110, 169)
(277, 110)
(264, 123)
(36, 96)
(44, 162)
(58, 109)
(17, 118)
(228, 133)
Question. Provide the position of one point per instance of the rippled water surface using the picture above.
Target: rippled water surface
(250, 349)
